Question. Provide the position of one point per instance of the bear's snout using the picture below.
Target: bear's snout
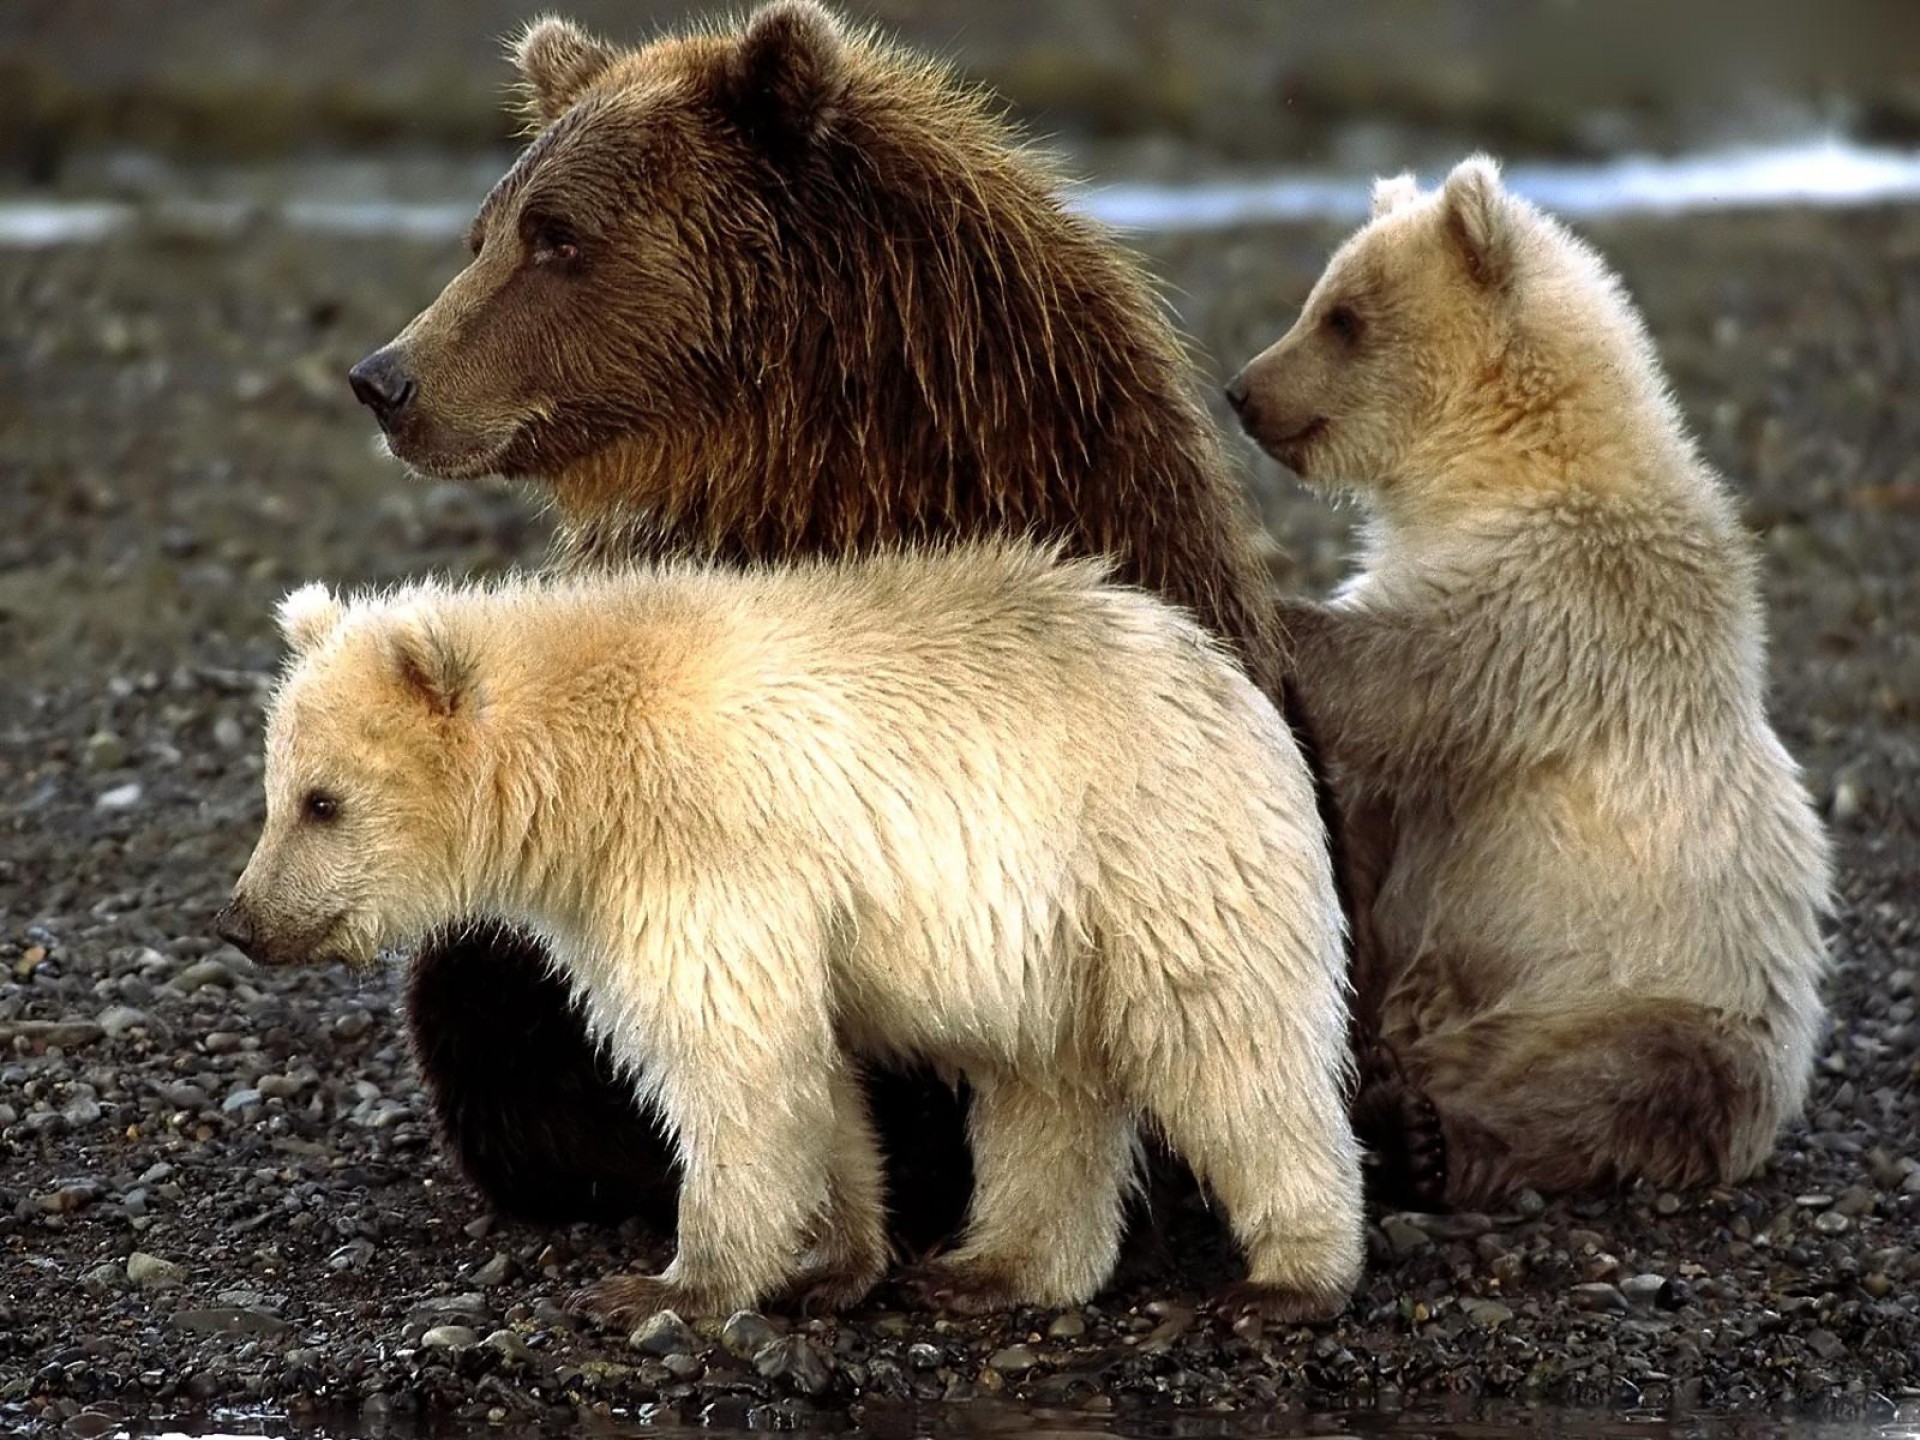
(383, 383)
(234, 925)
(1238, 389)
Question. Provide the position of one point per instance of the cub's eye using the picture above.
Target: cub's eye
(1343, 323)
(476, 239)
(319, 807)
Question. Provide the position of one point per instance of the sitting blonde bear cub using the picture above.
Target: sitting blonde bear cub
(980, 808)
(1594, 943)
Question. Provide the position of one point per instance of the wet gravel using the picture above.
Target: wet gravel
(219, 1188)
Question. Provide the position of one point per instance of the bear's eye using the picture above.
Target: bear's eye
(476, 238)
(1343, 323)
(551, 242)
(319, 807)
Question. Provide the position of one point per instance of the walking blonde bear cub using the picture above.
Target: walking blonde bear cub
(1593, 940)
(979, 808)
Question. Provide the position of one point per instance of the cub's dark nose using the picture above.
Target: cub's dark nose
(234, 926)
(381, 383)
(1237, 393)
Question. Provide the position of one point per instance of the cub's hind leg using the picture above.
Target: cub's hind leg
(1051, 1166)
(848, 1255)
(1675, 1093)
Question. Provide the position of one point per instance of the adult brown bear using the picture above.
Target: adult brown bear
(758, 295)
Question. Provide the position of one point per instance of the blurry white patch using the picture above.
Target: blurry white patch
(1827, 172)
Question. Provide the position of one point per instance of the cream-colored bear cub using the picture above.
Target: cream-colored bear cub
(979, 807)
(1595, 941)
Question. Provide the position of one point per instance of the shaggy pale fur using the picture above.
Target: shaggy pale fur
(976, 808)
(1593, 937)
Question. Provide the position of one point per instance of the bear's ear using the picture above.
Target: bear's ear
(433, 665)
(308, 616)
(557, 60)
(1392, 192)
(785, 78)
(1480, 219)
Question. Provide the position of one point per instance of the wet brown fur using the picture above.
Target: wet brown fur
(819, 302)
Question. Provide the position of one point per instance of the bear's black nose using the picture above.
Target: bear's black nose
(1237, 393)
(381, 383)
(234, 926)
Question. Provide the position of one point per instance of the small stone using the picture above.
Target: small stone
(1070, 1326)
(1405, 1236)
(1487, 1314)
(105, 1276)
(1877, 1284)
(245, 1098)
(150, 1272)
(794, 1359)
(1855, 1200)
(509, 1347)
(1642, 1290)
(120, 797)
(1599, 1297)
(684, 1367)
(80, 1112)
(1666, 1203)
(1014, 1360)
(922, 1356)
(1463, 1226)
(66, 1199)
(117, 1020)
(664, 1333)
(496, 1271)
(105, 751)
(745, 1333)
(1826, 1344)
(450, 1337)
(1529, 1204)
(352, 1025)
(604, 1372)
(201, 973)
(1832, 1222)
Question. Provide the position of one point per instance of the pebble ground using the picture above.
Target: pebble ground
(219, 1189)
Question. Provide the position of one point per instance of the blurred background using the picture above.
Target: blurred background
(1294, 81)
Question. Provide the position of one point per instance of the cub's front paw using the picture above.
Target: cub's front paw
(623, 1301)
(965, 1287)
(827, 1289)
(1284, 1304)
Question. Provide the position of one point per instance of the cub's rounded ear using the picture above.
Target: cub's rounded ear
(1392, 192)
(1479, 216)
(556, 60)
(308, 616)
(433, 665)
(785, 79)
